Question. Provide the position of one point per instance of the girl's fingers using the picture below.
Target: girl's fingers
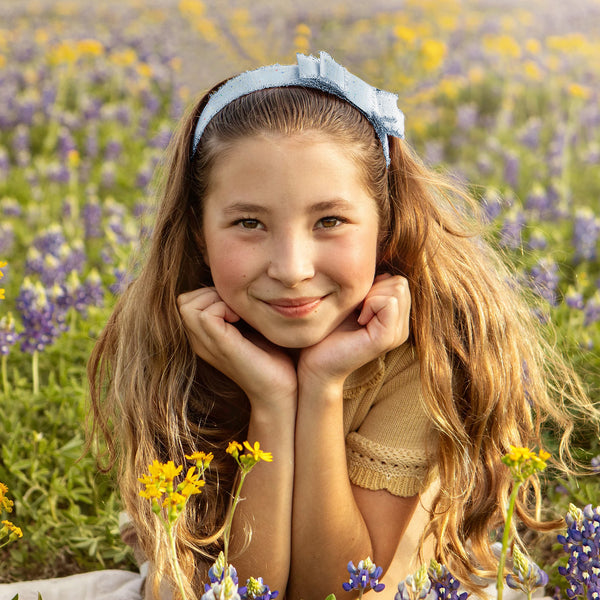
(205, 299)
(385, 287)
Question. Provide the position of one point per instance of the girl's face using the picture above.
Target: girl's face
(291, 235)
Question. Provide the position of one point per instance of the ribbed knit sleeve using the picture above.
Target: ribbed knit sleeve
(391, 447)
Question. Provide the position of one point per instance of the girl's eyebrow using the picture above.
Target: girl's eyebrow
(325, 205)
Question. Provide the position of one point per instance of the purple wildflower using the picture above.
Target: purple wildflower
(544, 279)
(595, 463)
(526, 575)
(510, 234)
(414, 587)
(511, 169)
(591, 310)
(92, 218)
(586, 233)
(256, 589)
(443, 583)
(42, 319)
(8, 335)
(365, 574)
(574, 298)
(582, 544)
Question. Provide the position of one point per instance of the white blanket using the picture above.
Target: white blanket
(97, 585)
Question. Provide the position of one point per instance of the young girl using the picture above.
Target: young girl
(312, 286)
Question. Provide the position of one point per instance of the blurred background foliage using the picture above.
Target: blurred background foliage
(504, 96)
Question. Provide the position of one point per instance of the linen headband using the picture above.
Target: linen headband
(322, 73)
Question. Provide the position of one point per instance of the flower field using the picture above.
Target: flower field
(503, 95)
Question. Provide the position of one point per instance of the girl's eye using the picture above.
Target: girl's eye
(248, 223)
(329, 222)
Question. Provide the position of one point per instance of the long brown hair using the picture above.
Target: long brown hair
(488, 378)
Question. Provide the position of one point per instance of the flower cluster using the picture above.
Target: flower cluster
(251, 457)
(582, 544)
(524, 462)
(223, 581)
(365, 574)
(8, 532)
(2, 265)
(414, 587)
(161, 490)
(443, 583)
(256, 589)
(526, 575)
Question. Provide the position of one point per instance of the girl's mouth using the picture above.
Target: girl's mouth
(295, 307)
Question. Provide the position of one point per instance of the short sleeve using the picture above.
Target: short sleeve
(392, 448)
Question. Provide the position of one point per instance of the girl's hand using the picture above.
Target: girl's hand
(263, 371)
(383, 324)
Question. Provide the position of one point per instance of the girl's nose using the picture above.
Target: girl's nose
(291, 261)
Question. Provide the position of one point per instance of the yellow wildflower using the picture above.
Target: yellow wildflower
(89, 46)
(5, 503)
(2, 294)
(234, 449)
(433, 53)
(257, 453)
(202, 459)
(524, 462)
(2, 265)
(12, 530)
(579, 91)
(303, 29)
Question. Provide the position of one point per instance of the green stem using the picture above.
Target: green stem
(5, 385)
(227, 531)
(505, 540)
(35, 369)
(174, 561)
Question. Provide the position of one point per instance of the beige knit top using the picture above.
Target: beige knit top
(389, 438)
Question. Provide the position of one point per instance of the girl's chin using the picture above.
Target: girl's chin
(292, 341)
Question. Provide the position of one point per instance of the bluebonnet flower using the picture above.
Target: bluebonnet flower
(595, 463)
(591, 310)
(256, 589)
(11, 207)
(4, 163)
(544, 279)
(365, 574)
(7, 238)
(92, 218)
(113, 150)
(50, 240)
(443, 583)
(530, 135)
(538, 200)
(8, 334)
(582, 544)
(108, 174)
(574, 298)
(42, 319)
(414, 587)
(225, 590)
(526, 575)
(510, 234)
(537, 241)
(223, 581)
(586, 233)
(219, 571)
(511, 169)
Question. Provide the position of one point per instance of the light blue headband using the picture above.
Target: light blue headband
(321, 73)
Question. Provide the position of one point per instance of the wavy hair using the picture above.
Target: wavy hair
(489, 380)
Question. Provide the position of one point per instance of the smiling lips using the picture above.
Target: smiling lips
(294, 307)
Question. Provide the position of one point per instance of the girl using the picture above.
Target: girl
(311, 285)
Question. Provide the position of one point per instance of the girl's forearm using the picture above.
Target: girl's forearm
(328, 529)
(266, 506)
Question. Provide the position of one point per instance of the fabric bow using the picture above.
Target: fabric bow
(322, 73)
